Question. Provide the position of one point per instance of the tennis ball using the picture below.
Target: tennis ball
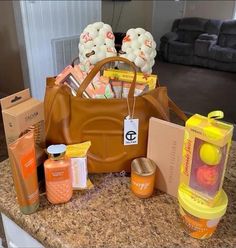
(210, 154)
(207, 176)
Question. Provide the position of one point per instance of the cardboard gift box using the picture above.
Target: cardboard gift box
(165, 143)
(21, 113)
(206, 147)
(127, 76)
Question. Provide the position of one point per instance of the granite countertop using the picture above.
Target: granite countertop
(111, 216)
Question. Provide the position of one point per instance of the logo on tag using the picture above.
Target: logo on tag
(131, 131)
(131, 135)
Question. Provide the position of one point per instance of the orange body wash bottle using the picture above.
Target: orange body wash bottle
(58, 179)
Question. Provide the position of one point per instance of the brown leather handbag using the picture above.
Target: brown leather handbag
(74, 119)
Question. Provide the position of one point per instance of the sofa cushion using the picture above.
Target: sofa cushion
(213, 26)
(228, 27)
(210, 37)
(227, 36)
(193, 24)
(175, 25)
(227, 40)
(201, 47)
(169, 37)
(180, 48)
(188, 36)
(222, 54)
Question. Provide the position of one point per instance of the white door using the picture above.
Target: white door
(164, 13)
(46, 20)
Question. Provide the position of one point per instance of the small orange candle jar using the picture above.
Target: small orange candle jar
(142, 177)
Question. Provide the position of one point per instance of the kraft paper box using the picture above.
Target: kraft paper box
(165, 144)
(127, 76)
(205, 152)
(20, 113)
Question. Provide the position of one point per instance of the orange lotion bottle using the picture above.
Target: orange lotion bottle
(58, 179)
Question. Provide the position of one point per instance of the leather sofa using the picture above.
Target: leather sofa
(201, 42)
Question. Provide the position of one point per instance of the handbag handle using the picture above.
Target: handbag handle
(98, 67)
(177, 111)
(175, 108)
(154, 102)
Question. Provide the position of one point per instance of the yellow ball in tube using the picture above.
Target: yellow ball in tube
(210, 154)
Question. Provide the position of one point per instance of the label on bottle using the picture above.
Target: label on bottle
(57, 174)
(79, 172)
(27, 190)
(28, 163)
(197, 227)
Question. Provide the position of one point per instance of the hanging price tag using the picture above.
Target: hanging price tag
(131, 131)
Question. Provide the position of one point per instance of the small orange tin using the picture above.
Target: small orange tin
(142, 177)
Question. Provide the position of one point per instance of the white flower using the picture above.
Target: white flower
(88, 44)
(135, 44)
(130, 56)
(140, 31)
(109, 42)
(97, 42)
(139, 47)
(98, 25)
(139, 62)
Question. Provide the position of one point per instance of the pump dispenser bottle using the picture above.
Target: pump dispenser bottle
(58, 179)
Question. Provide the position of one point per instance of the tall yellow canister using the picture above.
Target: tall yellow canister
(201, 220)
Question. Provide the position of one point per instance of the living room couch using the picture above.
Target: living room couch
(202, 42)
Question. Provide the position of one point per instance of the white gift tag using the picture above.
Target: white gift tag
(130, 131)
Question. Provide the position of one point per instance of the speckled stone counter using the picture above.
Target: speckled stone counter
(110, 216)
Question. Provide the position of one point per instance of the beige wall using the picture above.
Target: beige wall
(210, 9)
(11, 79)
(164, 14)
(134, 14)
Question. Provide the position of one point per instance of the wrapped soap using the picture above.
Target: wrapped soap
(103, 88)
(139, 89)
(117, 87)
(78, 155)
(73, 77)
